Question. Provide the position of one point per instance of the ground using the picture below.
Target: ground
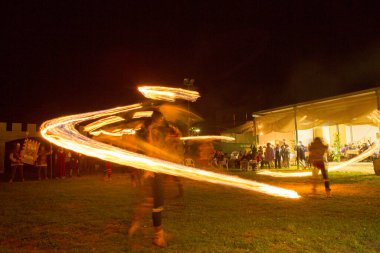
(88, 214)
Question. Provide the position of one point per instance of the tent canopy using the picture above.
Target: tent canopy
(349, 109)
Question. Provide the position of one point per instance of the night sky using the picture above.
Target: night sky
(61, 57)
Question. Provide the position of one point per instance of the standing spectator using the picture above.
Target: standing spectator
(260, 157)
(68, 162)
(317, 151)
(16, 163)
(73, 162)
(108, 171)
(41, 162)
(300, 149)
(285, 153)
(61, 164)
(205, 154)
(277, 156)
(269, 155)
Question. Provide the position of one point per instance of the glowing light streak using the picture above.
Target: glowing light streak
(62, 132)
(142, 114)
(358, 158)
(168, 94)
(116, 133)
(102, 122)
(207, 138)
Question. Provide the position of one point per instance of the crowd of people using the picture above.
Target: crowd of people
(282, 155)
(54, 163)
(268, 156)
(350, 150)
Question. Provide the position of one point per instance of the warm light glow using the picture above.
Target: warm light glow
(207, 138)
(168, 94)
(142, 114)
(62, 132)
(358, 158)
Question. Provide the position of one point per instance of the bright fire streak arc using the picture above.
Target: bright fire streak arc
(62, 132)
(358, 158)
(168, 94)
(102, 122)
(207, 138)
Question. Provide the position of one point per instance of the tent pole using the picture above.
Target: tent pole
(254, 131)
(295, 124)
(378, 100)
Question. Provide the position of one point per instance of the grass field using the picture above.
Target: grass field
(87, 214)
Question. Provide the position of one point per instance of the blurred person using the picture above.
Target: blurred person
(160, 135)
(205, 154)
(16, 163)
(277, 156)
(317, 151)
(61, 162)
(41, 162)
(285, 152)
(260, 157)
(269, 155)
(108, 171)
(68, 161)
(244, 161)
(254, 157)
(73, 163)
(300, 150)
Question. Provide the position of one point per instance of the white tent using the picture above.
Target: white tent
(304, 121)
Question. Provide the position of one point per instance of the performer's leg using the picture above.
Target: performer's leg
(325, 179)
(314, 179)
(145, 204)
(158, 206)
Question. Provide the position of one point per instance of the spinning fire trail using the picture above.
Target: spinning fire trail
(62, 132)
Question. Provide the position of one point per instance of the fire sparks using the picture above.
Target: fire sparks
(62, 132)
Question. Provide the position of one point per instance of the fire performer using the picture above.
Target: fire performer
(158, 133)
(317, 150)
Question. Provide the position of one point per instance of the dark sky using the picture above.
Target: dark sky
(60, 57)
